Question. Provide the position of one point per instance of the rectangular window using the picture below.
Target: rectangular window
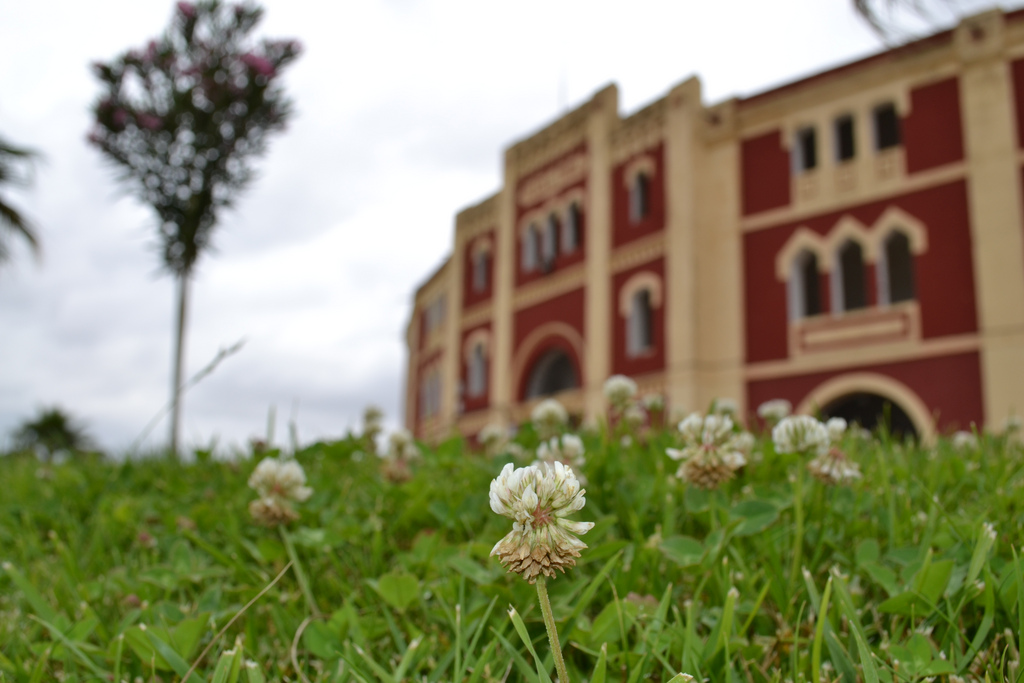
(887, 126)
(480, 268)
(530, 249)
(806, 149)
(844, 138)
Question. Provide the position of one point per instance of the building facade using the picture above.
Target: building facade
(851, 240)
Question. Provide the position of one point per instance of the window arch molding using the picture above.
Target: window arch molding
(893, 219)
(802, 240)
(846, 230)
(874, 383)
(544, 335)
(641, 165)
(480, 337)
(643, 280)
(481, 245)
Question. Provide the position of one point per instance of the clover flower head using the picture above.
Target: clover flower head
(774, 410)
(493, 438)
(712, 451)
(634, 416)
(654, 403)
(800, 434)
(965, 441)
(725, 406)
(278, 483)
(538, 498)
(619, 390)
(401, 446)
(836, 427)
(567, 449)
(834, 467)
(549, 416)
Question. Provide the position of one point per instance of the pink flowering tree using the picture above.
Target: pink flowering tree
(183, 120)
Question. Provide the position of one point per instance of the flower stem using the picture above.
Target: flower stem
(549, 623)
(798, 539)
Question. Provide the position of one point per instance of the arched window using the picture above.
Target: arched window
(476, 372)
(530, 248)
(639, 332)
(430, 394)
(848, 283)
(639, 198)
(481, 270)
(896, 271)
(553, 372)
(571, 229)
(804, 286)
(549, 243)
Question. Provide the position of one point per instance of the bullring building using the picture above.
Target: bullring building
(852, 242)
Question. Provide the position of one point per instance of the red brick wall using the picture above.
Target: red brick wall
(623, 229)
(932, 133)
(764, 173)
(650, 362)
(566, 308)
(1017, 73)
(949, 385)
(944, 274)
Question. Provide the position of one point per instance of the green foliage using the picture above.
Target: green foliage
(52, 431)
(14, 163)
(132, 569)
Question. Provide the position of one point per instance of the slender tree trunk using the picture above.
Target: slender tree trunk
(179, 362)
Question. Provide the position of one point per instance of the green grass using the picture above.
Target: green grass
(126, 571)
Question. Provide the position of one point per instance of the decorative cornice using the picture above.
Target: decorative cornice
(552, 181)
(550, 143)
(550, 286)
(640, 132)
(638, 252)
(478, 218)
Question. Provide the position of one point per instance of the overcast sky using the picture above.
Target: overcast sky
(404, 109)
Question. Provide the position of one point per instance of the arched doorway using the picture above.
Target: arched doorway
(871, 411)
(552, 372)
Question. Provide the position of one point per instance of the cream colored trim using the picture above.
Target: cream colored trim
(868, 355)
(477, 314)
(637, 252)
(644, 164)
(852, 330)
(848, 229)
(483, 245)
(534, 339)
(549, 286)
(643, 280)
(874, 383)
(803, 239)
(894, 219)
(482, 337)
(918, 181)
(552, 181)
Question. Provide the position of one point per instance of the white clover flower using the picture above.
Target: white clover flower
(836, 427)
(567, 449)
(964, 441)
(774, 410)
(833, 467)
(538, 499)
(725, 406)
(401, 446)
(278, 483)
(549, 416)
(800, 434)
(634, 416)
(493, 438)
(711, 451)
(619, 390)
(654, 403)
(1012, 424)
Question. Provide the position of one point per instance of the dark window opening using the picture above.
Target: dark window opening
(811, 290)
(807, 149)
(553, 372)
(844, 138)
(481, 268)
(887, 126)
(639, 333)
(549, 244)
(872, 412)
(571, 229)
(851, 259)
(639, 198)
(899, 267)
